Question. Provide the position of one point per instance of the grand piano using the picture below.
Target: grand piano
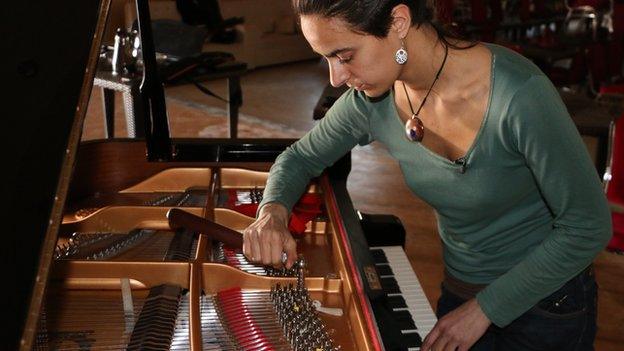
(93, 262)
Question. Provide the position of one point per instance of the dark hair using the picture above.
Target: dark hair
(374, 17)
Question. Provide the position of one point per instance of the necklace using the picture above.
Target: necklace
(414, 128)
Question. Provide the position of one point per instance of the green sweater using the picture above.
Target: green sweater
(528, 213)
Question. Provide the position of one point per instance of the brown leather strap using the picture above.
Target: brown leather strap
(468, 291)
(460, 288)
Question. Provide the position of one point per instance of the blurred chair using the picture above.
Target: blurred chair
(475, 19)
(577, 52)
(607, 56)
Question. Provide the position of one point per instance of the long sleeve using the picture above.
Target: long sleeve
(344, 126)
(545, 135)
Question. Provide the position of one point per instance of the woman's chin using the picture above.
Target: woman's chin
(371, 92)
(377, 90)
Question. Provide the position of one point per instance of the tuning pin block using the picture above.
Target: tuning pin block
(297, 314)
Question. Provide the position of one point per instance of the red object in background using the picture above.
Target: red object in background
(612, 89)
(615, 189)
(596, 4)
(306, 209)
(248, 209)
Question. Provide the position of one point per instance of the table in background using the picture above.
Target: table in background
(129, 87)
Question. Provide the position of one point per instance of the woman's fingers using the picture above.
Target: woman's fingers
(430, 339)
(265, 247)
(276, 249)
(266, 240)
(246, 245)
(249, 244)
(256, 251)
(290, 248)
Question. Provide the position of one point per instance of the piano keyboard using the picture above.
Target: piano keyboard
(407, 298)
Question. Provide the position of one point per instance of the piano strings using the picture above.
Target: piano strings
(284, 318)
(137, 245)
(97, 320)
(249, 316)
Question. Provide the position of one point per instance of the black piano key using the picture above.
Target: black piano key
(404, 320)
(379, 256)
(411, 340)
(384, 270)
(396, 302)
(391, 323)
(390, 285)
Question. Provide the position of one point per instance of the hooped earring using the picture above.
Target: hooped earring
(401, 55)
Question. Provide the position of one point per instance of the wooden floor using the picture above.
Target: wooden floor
(287, 94)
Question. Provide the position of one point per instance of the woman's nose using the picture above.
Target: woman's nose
(338, 74)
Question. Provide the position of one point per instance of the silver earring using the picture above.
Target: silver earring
(401, 55)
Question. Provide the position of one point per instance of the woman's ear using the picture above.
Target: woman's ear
(401, 20)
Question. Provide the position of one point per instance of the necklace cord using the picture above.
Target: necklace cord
(430, 88)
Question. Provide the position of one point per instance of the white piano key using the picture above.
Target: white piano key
(411, 290)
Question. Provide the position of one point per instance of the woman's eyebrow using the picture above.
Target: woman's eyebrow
(336, 52)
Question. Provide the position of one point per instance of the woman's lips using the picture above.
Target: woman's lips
(359, 87)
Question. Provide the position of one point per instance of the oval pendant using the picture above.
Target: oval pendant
(414, 129)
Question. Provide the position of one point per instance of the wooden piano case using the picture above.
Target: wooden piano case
(98, 203)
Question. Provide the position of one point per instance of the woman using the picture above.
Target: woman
(481, 135)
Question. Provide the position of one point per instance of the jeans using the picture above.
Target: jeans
(565, 320)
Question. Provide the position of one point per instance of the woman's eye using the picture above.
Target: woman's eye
(344, 60)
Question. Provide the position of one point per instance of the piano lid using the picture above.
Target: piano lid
(49, 59)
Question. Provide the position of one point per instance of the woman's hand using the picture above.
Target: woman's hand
(266, 238)
(458, 330)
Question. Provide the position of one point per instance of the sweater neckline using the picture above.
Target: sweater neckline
(463, 160)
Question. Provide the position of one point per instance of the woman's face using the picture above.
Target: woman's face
(361, 61)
